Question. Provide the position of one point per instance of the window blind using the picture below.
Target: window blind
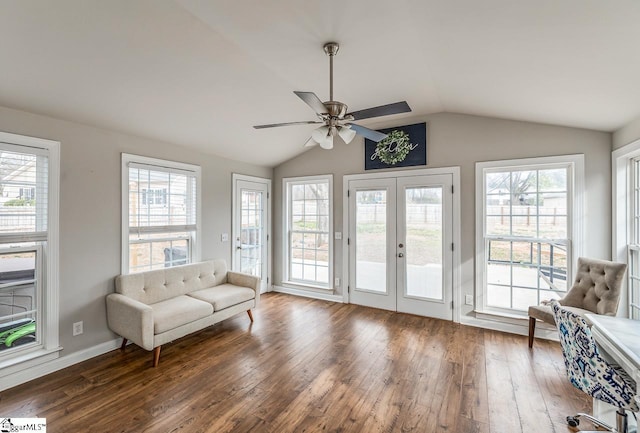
(161, 199)
(24, 179)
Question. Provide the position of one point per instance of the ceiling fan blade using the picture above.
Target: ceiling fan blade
(310, 142)
(382, 110)
(368, 133)
(274, 125)
(312, 101)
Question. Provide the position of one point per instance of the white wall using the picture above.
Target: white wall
(90, 194)
(90, 206)
(462, 140)
(627, 134)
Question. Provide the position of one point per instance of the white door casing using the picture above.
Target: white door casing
(250, 240)
(421, 221)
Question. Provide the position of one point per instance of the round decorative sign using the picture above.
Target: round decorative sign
(394, 148)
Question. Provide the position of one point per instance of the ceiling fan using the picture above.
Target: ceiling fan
(334, 117)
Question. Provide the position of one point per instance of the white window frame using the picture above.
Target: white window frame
(575, 187)
(195, 170)
(236, 223)
(633, 269)
(286, 211)
(623, 247)
(48, 273)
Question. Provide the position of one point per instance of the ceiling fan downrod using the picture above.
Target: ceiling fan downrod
(331, 48)
(337, 110)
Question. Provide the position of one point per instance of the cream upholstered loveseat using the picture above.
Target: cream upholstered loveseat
(155, 307)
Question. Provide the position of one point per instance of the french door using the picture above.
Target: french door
(400, 244)
(250, 228)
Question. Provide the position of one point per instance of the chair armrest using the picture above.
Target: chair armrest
(131, 319)
(245, 280)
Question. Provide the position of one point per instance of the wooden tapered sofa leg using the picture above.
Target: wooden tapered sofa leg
(124, 344)
(532, 330)
(156, 356)
(250, 315)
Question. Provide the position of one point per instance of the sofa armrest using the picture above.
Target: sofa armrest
(131, 319)
(245, 280)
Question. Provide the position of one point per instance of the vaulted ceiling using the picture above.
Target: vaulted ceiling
(200, 73)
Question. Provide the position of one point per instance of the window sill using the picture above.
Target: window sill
(302, 286)
(497, 315)
(27, 359)
(511, 318)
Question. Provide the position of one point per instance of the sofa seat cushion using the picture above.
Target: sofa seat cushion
(178, 311)
(224, 295)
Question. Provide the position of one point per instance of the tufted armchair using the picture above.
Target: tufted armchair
(596, 290)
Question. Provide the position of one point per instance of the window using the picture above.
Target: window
(526, 231)
(28, 241)
(160, 213)
(308, 230)
(625, 184)
(28, 194)
(634, 241)
(154, 197)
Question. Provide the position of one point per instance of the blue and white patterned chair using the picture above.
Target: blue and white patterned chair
(591, 372)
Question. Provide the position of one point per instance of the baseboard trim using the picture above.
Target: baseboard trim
(54, 365)
(542, 331)
(308, 294)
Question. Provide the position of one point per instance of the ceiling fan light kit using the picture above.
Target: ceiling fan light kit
(327, 144)
(320, 134)
(346, 133)
(334, 117)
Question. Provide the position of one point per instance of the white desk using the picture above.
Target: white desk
(620, 339)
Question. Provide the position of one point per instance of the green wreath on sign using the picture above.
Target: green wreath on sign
(394, 148)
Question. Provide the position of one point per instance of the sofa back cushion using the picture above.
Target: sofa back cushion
(162, 284)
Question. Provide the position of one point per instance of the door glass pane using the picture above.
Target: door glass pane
(371, 240)
(423, 210)
(251, 228)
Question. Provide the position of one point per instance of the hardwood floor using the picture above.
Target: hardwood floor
(313, 366)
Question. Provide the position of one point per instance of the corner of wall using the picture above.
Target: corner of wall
(625, 134)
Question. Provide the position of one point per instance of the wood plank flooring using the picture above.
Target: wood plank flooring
(313, 366)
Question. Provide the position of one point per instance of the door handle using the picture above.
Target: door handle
(400, 255)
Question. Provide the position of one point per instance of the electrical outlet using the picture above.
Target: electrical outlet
(77, 328)
(337, 282)
(468, 299)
